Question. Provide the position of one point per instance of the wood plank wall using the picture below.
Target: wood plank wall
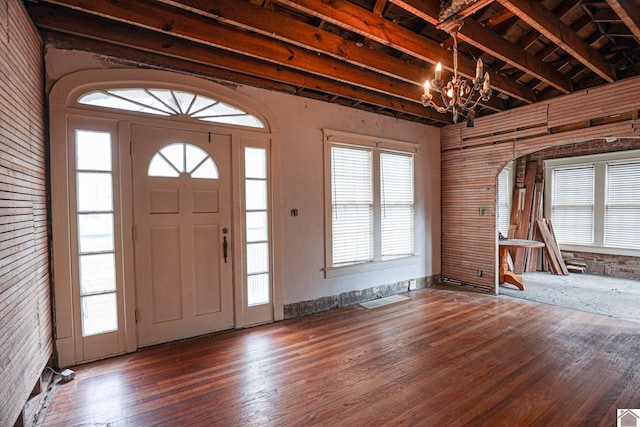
(25, 302)
(473, 157)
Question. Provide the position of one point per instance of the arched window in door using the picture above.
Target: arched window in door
(180, 157)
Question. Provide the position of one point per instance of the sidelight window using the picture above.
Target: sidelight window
(257, 223)
(95, 222)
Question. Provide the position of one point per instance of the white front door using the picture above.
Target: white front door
(182, 238)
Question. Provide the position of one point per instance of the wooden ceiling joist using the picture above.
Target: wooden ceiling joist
(169, 20)
(378, 8)
(488, 41)
(562, 10)
(178, 53)
(284, 28)
(549, 25)
(370, 54)
(356, 19)
(629, 13)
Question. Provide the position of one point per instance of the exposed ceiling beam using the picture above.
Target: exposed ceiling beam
(290, 30)
(184, 54)
(499, 17)
(561, 11)
(629, 13)
(378, 8)
(487, 40)
(359, 20)
(172, 21)
(548, 24)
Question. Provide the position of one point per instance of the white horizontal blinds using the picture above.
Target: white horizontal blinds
(397, 204)
(504, 200)
(351, 204)
(622, 207)
(572, 204)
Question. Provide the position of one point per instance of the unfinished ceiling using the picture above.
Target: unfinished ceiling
(369, 54)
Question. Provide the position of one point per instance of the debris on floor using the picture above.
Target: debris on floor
(574, 264)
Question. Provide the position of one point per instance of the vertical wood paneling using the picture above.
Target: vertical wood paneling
(25, 300)
(472, 158)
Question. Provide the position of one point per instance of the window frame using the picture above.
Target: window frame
(376, 145)
(599, 161)
(505, 199)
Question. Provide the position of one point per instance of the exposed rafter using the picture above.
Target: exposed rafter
(485, 39)
(629, 13)
(290, 30)
(353, 18)
(76, 24)
(369, 54)
(548, 24)
(168, 20)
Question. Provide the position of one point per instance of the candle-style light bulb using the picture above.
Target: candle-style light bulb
(427, 88)
(485, 86)
(479, 69)
(450, 93)
(438, 70)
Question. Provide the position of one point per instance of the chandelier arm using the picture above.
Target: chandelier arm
(429, 103)
(448, 104)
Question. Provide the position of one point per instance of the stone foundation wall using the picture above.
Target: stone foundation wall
(304, 308)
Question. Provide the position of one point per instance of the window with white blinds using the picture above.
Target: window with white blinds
(572, 204)
(352, 204)
(594, 202)
(396, 177)
(622, 207)
(372, 205)
(505, 188)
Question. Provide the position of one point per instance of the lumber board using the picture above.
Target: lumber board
(523, 225)
(556, 248)
(507, 121)
(603, 101)
(506, 137)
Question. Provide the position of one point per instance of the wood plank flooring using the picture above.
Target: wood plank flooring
(442, 358)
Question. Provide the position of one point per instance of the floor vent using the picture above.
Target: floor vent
(383, 301)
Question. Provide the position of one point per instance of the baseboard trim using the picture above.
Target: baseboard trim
(304, 308)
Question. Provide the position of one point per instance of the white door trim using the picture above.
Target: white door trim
(63, 105)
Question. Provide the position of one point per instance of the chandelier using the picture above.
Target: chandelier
(458, 94)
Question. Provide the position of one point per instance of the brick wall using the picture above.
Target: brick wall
(626, 267)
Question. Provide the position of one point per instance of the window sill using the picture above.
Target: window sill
(600, 250)
(345, 270)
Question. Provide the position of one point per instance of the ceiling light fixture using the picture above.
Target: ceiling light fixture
(458, 94)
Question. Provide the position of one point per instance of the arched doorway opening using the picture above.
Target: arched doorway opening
(588, 192)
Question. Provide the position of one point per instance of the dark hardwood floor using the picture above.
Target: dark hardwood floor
(444, 357)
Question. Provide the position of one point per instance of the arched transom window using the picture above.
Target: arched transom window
(169, 102)
(178, 158)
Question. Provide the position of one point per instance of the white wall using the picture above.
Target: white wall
(301, 122)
